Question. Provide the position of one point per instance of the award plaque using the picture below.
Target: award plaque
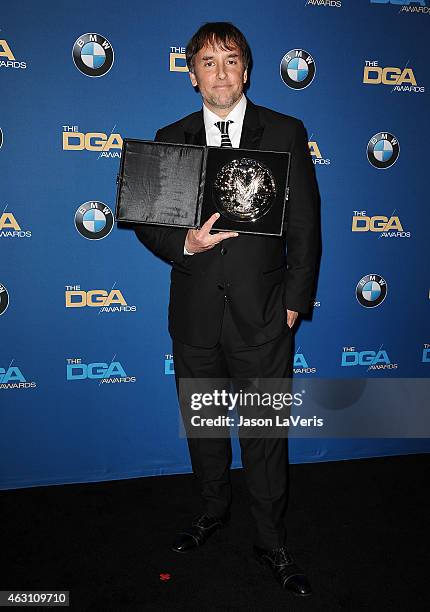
(183, 185)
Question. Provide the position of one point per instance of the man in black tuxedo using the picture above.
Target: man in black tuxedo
(234, 299)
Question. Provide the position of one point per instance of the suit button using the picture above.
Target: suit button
(223, 251)
(221, 287)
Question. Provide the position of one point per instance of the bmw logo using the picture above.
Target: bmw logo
(297, 69)
(1, 138)
(4, 299)
(383, 150)
(94, 220)
(93, 55)
(371, 290)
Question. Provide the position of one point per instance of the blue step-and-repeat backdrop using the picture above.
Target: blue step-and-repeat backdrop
(86, 385)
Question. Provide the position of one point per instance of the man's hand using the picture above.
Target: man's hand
(291, 317)
(198, 241)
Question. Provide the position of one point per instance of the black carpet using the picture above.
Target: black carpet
(359, 528)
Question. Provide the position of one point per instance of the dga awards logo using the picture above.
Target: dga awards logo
(316, 156)
(94, 220)
(385, 227)
(13, 378)
(93, 55)
(426, 353)
(7, 58)
(1, 138)
(177, 60)
(383, 150)
(372, 360)
(4, 299)
(104, 301)
(297, 69)
(104, 373)
(407, 6)
(400, 79)
(10, 228)
(106, 145)
(371, 290)
(301, 364)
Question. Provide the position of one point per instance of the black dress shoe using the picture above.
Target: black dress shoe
(201, 528)
(291, 577)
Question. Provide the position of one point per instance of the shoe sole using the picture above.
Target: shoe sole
(183, 552)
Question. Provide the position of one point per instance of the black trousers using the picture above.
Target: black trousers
(265, 460)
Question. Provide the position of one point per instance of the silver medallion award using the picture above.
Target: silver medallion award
(244, 190)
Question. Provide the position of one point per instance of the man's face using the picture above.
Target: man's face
(220, 76)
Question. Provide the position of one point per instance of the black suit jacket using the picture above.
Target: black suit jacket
(259, 279)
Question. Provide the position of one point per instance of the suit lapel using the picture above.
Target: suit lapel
(195, 132)
(252, 130)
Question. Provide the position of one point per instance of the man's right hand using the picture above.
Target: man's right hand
(198, 241)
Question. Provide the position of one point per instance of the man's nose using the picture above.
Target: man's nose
(221, 72)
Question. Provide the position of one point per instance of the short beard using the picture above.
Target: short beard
(231, 101)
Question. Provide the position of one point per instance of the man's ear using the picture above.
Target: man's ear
(245, 76)
(193, 79)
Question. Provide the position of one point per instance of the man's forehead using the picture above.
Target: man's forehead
(218, 48)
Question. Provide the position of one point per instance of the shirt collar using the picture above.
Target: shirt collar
(236, 115)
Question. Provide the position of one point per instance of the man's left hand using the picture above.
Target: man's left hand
(291, 317)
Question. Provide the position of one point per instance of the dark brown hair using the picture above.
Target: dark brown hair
(222, 33)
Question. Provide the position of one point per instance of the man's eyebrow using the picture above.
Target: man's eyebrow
(209, 57)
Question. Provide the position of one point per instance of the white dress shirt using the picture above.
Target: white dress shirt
(213, 134)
